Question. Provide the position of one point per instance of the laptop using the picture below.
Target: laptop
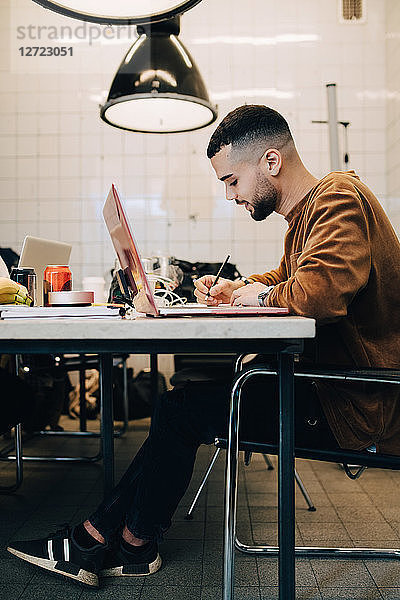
(38, 253)
(136, 279)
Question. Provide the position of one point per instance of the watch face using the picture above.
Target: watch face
(261, 297)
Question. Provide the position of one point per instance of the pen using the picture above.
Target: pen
(218, 274)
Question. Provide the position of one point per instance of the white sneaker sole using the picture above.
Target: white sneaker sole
(118, 571)
(81, 576)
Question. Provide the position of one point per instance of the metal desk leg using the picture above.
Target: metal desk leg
(125, 404)
(286, 515)
(107, 426)
(82, 396)
(154, 377)
(126, 397)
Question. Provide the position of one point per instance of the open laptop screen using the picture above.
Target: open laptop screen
(127, 252)
(38, 253)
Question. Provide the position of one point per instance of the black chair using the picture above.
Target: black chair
(14, 451)
(198, 367)
(9, 489)
(346, 457)
(17, 406)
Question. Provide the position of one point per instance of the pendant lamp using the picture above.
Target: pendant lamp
(158, 87)
(119, 12)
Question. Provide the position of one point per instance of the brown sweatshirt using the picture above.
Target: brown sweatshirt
(341, 266)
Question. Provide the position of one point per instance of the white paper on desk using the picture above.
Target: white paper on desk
(12, 311)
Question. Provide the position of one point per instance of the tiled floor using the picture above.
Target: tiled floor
(365, 512)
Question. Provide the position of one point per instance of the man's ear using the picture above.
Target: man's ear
(272, 161)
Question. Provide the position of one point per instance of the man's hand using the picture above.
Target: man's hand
(247, 295)
(220, 294)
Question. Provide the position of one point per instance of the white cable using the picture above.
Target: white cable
(164, 295)
(169, 283)
(168, 298)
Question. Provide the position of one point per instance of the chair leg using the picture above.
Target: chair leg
(268, 462)
(303, 490)
(18, 463)
(82, 433)
(322, 552)
(299, 482)
(189, 514)
(125, 425)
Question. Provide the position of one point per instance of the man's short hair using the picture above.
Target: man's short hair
(250, 125)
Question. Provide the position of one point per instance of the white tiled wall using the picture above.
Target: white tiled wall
(57, 158)
(393, 109)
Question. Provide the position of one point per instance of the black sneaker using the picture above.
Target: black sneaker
(122, 562)
(62, 555)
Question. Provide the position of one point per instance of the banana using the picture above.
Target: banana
(11, 299)
(24, 300)
(16, 300)
(12, 287)
(8, 286)
(12, 292)
(7, 295)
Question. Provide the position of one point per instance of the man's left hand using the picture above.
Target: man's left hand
(248, 294)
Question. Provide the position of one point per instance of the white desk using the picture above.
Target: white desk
(281, 335)
(148, 328)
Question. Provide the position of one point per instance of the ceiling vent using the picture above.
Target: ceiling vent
(352, 11)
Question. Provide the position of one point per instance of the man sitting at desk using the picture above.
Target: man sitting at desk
(341, 265)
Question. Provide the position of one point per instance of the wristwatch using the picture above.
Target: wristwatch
(246, 281)
(264, 294)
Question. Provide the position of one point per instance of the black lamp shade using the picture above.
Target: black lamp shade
(119, 12)
(158, 88)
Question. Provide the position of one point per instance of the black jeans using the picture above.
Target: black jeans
(150, 490)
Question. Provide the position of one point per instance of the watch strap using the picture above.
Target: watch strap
(264, 294)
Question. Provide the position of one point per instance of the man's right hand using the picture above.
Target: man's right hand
(220, 294)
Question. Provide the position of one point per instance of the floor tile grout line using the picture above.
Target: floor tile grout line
(25, 588)
(365, 562)
(344, 525)
(141, 588)
(377, 508)
(315, 577)
(326, 498)
(316, 473)
(251, 529)
(320, 481)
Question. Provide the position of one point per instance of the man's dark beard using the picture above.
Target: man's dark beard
(264, 200)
